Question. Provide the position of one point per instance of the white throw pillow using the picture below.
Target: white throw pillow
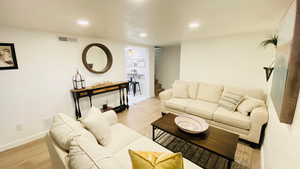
(111, 117)
(209, 92)
(64, 128)
(85, 154)
(255, 93)
(230, 100)
(248, 104)
(180, 90)
(96, 122)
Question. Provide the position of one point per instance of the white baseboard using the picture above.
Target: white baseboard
(262, 162)
(22, 141)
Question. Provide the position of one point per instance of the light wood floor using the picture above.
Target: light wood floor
(35, 155)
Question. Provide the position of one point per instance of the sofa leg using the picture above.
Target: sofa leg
(254, 145)
(262, 134)
(261, 139)
(163, 113)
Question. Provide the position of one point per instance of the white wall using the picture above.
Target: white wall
(151, 71)
(233, 60)
(40, 88)
(281, 145)
(167, 65)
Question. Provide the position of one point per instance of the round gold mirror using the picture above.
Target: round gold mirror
(97, 58)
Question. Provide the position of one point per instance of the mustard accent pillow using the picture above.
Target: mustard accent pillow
(155, 160)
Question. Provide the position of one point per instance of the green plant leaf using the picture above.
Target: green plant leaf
(272, 41)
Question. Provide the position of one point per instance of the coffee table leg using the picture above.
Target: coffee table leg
(229, 164)
(153, 133)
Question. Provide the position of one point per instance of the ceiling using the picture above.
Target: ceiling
(165, 21)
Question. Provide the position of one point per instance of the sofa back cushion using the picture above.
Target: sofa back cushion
(193, 89)
(209, 92)
(85, 154)
(180, 89)
(185, 89)
(255, 93)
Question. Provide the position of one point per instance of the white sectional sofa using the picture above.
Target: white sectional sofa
(202, 99)
(122, 139)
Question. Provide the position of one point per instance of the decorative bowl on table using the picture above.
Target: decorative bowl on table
(192, 125)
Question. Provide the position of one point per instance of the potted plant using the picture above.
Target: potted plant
(273, 40)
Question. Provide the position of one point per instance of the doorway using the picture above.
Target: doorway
(137, 73)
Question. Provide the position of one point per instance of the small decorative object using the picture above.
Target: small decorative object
(8, 58)
(104, 106)
(271, 41)
(78, 81)
(192, 125)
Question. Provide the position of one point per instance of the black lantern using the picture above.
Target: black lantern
(78, 81)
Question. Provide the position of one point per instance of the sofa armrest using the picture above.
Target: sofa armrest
(259, 115)
(166, 94)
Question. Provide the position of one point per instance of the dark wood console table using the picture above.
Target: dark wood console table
(90, 91)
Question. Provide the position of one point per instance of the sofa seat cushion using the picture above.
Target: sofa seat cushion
(121, 137)
(145, 144)
(234, 119)
(201, 108)
(177, 104)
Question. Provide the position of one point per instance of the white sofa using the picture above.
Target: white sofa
(201, 99)
(122, 139)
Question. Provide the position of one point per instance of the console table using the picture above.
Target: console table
(90, 91)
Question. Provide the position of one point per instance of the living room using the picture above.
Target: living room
(208, 44)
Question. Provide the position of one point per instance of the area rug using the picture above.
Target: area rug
(197, 155)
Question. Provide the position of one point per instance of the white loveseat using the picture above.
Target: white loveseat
(122, 139)
(201, 99)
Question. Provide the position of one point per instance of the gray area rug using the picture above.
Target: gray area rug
(197, 155)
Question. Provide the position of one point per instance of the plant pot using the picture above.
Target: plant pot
(268, 71)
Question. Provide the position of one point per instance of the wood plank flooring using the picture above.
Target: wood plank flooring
(35, 155)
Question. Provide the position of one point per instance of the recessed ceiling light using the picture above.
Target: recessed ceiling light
(83, 22)
(143, 35)
(194, 25)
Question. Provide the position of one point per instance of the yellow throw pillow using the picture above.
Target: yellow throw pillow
(155, 160)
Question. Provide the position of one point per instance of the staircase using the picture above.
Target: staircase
(158, 88)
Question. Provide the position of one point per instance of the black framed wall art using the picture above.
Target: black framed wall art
(8, 59)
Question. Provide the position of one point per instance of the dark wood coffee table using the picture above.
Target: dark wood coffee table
(214, 140)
